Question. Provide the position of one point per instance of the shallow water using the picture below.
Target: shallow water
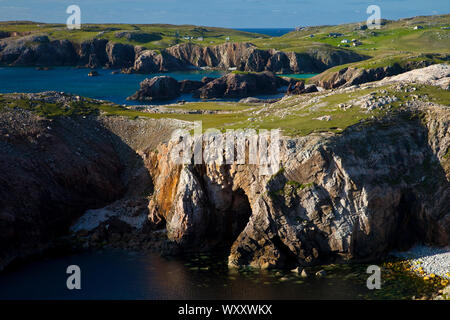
(106, 86)
(119, 274)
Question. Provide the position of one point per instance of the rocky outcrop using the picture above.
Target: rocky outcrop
(240, 85)
(351, 197)
(53, 170)
(349, 76)
(157, 88)
(232, 85)
(39, 50)
(120, 55)
(92, 53)
(300, 88)
(189, 86)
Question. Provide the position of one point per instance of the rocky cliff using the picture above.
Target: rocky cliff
(349, 76)
(378, 185)
(351, 197)
(39, 50)
(53, 169)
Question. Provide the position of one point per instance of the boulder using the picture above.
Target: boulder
(157, 88)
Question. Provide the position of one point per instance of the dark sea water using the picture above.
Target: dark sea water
(273, 32)
(118, 274)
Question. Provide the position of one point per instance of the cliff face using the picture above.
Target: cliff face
(243, 56)
(53, 170)
(39, 50)
(351, 197)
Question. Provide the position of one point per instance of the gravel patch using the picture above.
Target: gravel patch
(428, 260)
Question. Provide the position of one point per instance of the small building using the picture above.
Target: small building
(345, 41)
(418, 27)
(227, 39)
(200, 38)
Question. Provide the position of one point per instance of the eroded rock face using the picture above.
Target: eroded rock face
(49, 177)
(189, 86)
(37, 50)
(120, 55)
(157, 88)
(355, 76)
(95, 53)
(350, 197)
(237, 85)
(54, 170)
(300, 88)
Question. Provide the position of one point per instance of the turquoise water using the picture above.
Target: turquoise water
(107, 86)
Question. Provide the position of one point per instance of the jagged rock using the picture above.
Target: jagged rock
(92, 53)
(189, 86)
(300, 88)
(363, 193)
(157, 88)
(120, 55)
(237, 85)
(66, 166)
(100, 52)
(354, 76)
(37, 51)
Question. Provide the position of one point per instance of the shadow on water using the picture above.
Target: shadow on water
(118, 274)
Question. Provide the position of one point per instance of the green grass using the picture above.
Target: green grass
(295, 115)
(394, 37)
(162, 35)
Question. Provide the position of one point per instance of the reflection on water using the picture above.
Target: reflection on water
(118, 274)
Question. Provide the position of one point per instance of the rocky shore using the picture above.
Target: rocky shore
(231, 85)
(39, 50)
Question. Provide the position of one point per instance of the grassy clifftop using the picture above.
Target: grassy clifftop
(295, 115)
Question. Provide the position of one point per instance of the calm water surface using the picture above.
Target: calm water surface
(107, 86)
(119, 274)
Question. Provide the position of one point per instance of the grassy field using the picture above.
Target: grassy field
(294, 115)
(154, 36)
(393, 37)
